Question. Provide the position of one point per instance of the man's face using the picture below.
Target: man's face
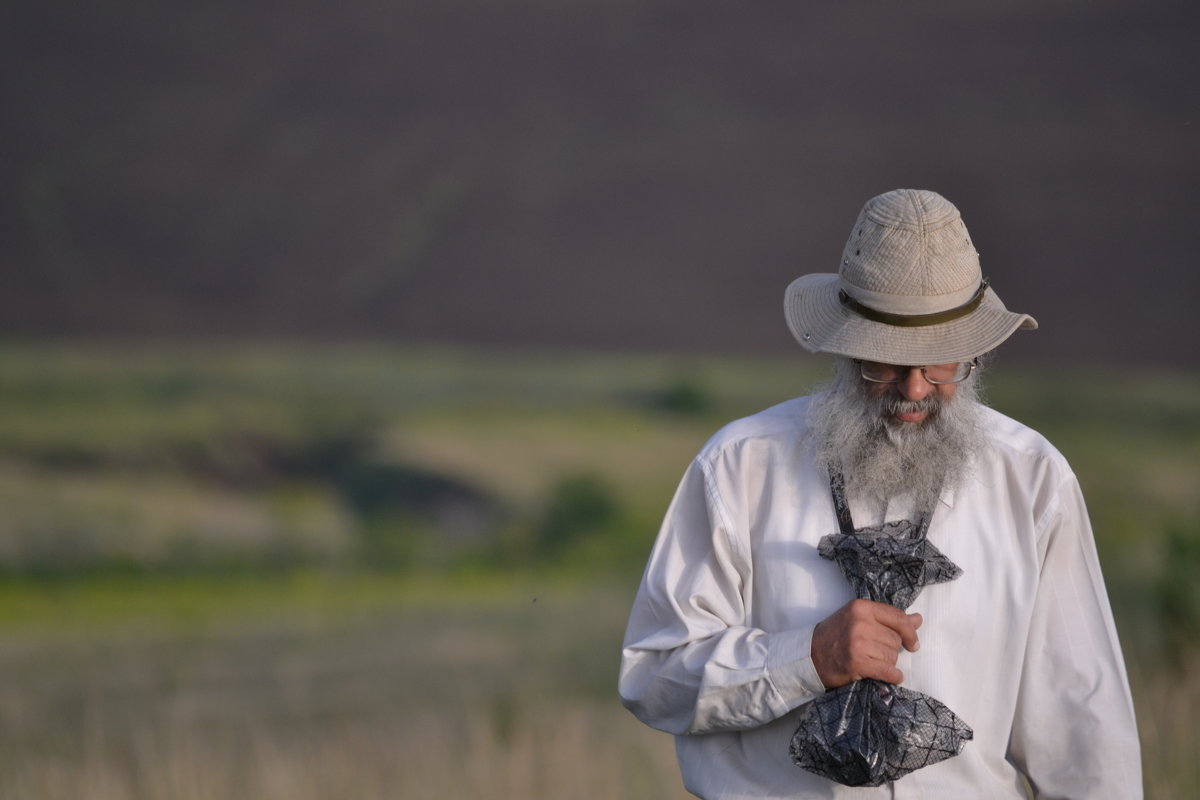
(905, 436)
(916, 399)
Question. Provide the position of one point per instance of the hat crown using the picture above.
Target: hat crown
(910, 253)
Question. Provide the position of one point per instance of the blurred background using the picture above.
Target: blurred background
(350, 353)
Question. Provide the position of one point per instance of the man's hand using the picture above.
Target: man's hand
(862, 639)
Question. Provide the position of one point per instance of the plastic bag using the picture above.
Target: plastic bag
(869, 732)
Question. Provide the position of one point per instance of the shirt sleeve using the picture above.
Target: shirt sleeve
(690, 662)
(1074, 734)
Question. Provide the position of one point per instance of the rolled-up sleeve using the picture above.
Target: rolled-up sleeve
(690, 663)
(1074, 733)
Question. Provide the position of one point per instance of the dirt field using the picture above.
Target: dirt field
(634, 174)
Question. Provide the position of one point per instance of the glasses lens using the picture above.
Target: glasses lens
(948, 373)
(882, 373)
(934, 373)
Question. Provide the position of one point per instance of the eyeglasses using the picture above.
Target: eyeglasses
(937, 374)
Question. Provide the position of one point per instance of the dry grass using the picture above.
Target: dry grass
(576, 750)
(501, 698)
(492, 695)
(1167, 703)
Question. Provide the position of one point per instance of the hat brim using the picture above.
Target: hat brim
(821, 324)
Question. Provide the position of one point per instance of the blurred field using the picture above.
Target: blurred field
(353, 572)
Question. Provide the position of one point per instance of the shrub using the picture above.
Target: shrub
(580, 506)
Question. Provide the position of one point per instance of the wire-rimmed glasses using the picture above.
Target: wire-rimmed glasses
(937, 374)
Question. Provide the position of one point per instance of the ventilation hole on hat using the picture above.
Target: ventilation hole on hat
(860, 231)
(858, 252)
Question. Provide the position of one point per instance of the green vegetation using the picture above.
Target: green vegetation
(225, 459)
(266, 571)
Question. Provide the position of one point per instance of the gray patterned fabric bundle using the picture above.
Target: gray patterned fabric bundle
(869, 732)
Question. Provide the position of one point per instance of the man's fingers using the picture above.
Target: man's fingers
(885, 639)
(904, 624)
(863, 639)
(910, 640)
(884, 671)
(883, 654)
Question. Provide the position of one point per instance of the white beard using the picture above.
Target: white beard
(885, 459)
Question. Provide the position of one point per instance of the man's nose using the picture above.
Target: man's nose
(913, 385)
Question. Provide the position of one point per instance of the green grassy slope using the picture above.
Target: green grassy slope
(265, 571)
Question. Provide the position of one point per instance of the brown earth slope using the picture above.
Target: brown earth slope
(639, 173)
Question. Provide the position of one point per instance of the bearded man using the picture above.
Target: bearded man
(756, 637)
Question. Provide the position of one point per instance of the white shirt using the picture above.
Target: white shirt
(1022, 646)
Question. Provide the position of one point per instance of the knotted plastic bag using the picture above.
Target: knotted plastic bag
(869, 732)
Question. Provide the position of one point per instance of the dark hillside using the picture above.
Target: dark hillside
(626, 174)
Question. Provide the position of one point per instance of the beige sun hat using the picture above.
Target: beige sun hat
(909, 290)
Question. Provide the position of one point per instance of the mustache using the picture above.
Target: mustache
(930, 404)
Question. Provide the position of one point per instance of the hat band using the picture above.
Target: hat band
(914, 320)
